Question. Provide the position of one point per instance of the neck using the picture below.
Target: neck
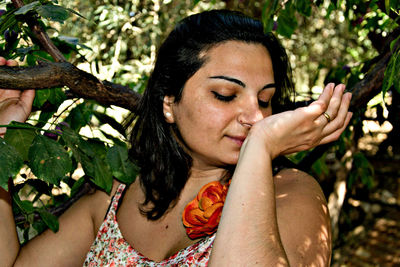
(200, 176)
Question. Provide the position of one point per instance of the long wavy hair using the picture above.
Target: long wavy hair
(164, 164)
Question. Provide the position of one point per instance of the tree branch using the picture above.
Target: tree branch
(81, 83)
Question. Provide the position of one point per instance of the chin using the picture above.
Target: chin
(232, 160)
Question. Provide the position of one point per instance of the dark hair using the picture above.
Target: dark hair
(164, 165)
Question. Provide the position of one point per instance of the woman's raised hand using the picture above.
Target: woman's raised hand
(15, 105)
(320, 122)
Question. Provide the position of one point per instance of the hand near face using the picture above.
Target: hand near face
(15, 105)
(306, 127)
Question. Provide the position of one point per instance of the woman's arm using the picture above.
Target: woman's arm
(301, 206)
(9, 245)
(14, 106)
(253, 220)
(78, 224)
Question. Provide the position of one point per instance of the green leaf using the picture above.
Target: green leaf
(48, 160)
(303, 7)
(24, 205)
(267, 16)
(76, 13)
(77, 185)
(105, 119)
(102, 175)
(78, 147)
(21, 140)
(57, 96)
(53, 12)
(26, 8)
(287, 22)
(95, 146)
(10, 163)
(83, 151)
(49, 219)
(390, 73)
(7, 21)
(79, 116)
(41, 97)
(392, 43)
(44, 116)
(387, 6)
(121, 167)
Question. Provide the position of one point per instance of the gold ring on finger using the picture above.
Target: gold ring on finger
(328, 118)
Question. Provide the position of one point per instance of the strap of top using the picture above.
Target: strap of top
(112, 208)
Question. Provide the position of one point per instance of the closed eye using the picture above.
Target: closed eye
(223, 97)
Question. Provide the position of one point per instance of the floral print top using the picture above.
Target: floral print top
(111, 249)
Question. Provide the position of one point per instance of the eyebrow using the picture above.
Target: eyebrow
(239, 82)
(229, 79)
(270, 85)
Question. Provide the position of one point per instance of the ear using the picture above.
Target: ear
(167, 109)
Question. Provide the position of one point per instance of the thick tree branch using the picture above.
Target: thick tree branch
(44, 40)
(81, 83)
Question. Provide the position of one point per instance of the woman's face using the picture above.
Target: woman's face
(220, 102)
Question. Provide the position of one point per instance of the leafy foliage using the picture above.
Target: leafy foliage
(11, 163)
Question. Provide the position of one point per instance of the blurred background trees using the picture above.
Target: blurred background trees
(348, 41)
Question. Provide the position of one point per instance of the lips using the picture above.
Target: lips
(237, 139)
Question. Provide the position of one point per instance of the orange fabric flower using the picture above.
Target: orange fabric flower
(201, 216)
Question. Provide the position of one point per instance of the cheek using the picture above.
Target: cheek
(202, 118)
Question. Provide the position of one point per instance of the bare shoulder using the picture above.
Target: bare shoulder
(77, 230)
(303, 218)
(97, 204)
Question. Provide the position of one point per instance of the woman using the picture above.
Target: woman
(205, 123)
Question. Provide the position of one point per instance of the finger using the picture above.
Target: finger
(11, 63)
(2, 61)
(336, 134)
(327, 139)
(340, 119)
(27, 97)
(322, 103)
(335, 101)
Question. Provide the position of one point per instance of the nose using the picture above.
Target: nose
(250, 113)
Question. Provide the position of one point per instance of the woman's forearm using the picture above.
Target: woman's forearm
(248, 231)
(9, 244)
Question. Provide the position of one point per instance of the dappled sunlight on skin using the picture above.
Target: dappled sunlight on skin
(303, 248)
(281, 195)
(312, 243)
(281, 262)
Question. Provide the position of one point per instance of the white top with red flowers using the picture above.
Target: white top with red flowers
(111, 249)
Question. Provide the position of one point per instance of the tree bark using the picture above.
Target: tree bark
(81, 83)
